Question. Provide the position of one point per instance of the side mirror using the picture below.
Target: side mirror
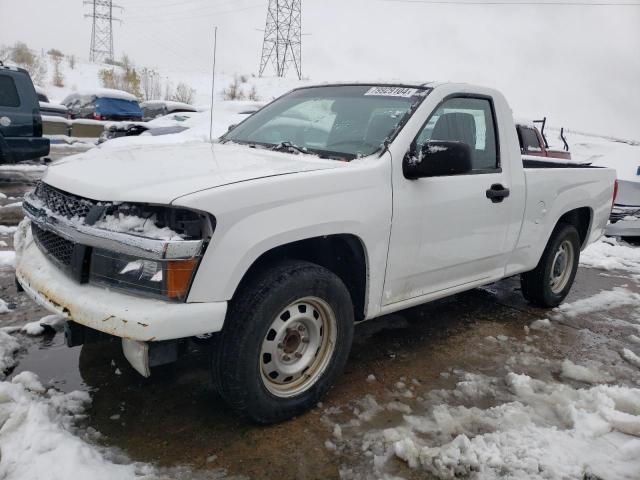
(437, 159)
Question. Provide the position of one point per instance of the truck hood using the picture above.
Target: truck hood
(160, 174)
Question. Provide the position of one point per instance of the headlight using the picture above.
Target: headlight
(163, 279)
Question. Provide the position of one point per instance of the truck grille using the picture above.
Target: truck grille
(54, 245)
(62, 203)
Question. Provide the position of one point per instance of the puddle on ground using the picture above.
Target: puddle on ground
(55, 363)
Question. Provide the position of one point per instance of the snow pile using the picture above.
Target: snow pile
(4, 308)
(609, 254)
(38, 436)
(605, 300)
(542, 430)
(132, 224)
(584, 374)
(7, 230)
(8, 348)
(50, 322)
(7, 258)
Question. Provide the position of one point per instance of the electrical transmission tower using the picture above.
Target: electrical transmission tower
(282, 46)
(102, 29)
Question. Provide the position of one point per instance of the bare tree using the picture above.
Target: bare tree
(234, 91)
(168, 90)
(150, 84)
(124, 78)
(21, 54)
(36, 65)
(56, 58)
(253, 94)
(5, 53)
(71, 60)
(184, 93)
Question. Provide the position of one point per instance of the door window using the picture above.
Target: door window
(8, 93)
(466, 120)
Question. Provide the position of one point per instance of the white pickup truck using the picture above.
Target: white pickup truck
(331, 205)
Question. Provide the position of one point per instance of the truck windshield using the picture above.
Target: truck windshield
(342, 122)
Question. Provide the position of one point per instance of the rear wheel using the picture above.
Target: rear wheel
(287, 337)
(550, 282)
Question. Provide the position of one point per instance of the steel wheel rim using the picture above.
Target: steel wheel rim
(561, 267)
(298, 347)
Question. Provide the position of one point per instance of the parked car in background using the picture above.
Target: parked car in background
(103, 104)
(20, 119)
(48, 108)
(625, 216)
(157, 108)
(533, 142)
(275, 243)
(172, 123)
(227, 113)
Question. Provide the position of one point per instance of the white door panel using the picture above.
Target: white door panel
(445, 231)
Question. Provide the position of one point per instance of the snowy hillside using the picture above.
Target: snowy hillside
(85, 75)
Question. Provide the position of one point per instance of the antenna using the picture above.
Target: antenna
(213, 80)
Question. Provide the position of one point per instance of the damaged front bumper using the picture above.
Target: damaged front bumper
(118, 314)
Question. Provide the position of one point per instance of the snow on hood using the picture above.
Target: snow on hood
(162, 173)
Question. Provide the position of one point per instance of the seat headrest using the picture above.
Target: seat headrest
(457, 127)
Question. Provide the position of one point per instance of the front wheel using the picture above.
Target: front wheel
(550, 282)
(286, 338)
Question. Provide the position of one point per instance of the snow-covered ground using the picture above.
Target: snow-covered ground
(539, 417)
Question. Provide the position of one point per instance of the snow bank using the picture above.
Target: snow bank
(542, 431)
(38, 436)
(609, 254)
(39, 433)
(605, 300)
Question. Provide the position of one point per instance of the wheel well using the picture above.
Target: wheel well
(579, 218)
(342, 254)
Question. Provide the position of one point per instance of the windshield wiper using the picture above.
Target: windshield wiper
(288, 147)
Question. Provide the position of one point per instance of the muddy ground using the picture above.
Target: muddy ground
(175, 417)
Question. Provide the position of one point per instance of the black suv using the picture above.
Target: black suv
(20, 120)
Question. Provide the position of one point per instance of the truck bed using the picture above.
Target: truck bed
(529, 161)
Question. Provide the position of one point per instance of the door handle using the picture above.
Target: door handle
(497, 193)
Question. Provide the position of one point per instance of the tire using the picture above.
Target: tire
(265, 363)
(550, 282)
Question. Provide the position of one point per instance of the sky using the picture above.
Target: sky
(577, 65)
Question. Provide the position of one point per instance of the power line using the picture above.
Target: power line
(282, 44)
(170, 18)
(514, 3)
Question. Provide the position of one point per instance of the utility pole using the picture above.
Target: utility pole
(102, 29)
(282, 45)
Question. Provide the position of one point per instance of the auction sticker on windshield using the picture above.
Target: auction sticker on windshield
(392, 91)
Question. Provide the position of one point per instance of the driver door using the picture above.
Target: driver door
(446, 233)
